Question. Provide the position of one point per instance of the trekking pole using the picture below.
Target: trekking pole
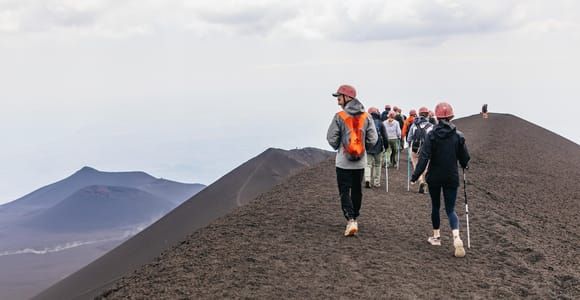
(408, 168)
(466, 208)
(386, 173)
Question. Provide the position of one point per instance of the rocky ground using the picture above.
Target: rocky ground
(524, 201)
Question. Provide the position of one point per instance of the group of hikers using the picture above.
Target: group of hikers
(363, 138)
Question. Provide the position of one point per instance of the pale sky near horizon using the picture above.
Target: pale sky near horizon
(188, 90)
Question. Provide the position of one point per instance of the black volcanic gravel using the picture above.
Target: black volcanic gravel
(524, 200)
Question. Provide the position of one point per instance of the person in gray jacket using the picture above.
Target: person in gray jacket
(350, 130)
(394, 137)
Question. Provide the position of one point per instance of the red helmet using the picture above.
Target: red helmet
(374, 110)
(346, 90)
(413, 112)
(431, 113)
(392, 114)
(443, 110)
(423, 110)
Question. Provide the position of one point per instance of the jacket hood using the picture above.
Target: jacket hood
(354, 107)
(376, 116)
(444, 129)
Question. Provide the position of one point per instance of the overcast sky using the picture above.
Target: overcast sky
(188, 90)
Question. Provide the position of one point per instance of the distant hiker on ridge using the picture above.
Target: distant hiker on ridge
(399, 117)
(350, 132)
(375, 153)
(484, 111)
(432, 118)
(385, 114)
(444, 146)
(416, 139)
(394, 137)
(408, 122)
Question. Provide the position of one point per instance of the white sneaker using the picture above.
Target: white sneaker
(351, 228)
(435, 241)
(459, 250)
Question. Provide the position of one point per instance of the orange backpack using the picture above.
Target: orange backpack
(354, 144)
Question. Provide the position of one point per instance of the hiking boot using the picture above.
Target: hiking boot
(368, 184)
(351, 228)
(459, 250)
(435, 241)
(422, 188)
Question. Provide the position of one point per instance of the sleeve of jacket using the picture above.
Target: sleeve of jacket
(333, 135)
(410, 134)
(424, 157)
(371, 133)
(398, 131)
(405, 128)
(463, 154)
(384, 135)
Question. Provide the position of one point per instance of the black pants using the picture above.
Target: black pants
(350, 190)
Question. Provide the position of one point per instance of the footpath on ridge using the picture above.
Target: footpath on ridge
(288, 243)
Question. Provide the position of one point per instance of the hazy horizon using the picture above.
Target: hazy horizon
(188, 90)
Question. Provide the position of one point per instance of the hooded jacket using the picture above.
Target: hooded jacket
(382, 141)
(443, 148)
(336, 134)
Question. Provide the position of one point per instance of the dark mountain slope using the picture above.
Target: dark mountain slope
(53, 193)
(100, 207)
(288, 243)
(236, 188)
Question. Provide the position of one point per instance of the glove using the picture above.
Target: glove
(414, 179)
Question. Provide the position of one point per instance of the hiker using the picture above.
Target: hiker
(393, 136)
(484, 111)
(416, 139)
(385, 114)
(408, 122)
(399, 117)
(444, 146)
(350, 132)
(375, 153)
(432, 118)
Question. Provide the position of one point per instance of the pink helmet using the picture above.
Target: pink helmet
(374, 110)
(346, 90)
(392, 114)
(413, 113)
(431, 113)
(443, 110)
(423, 110)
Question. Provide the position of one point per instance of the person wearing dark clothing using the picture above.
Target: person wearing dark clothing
(432, 118)
(385, 114)
(399, 117)
(443, 148)
(350, 130)
(375, 153)
(484, 111)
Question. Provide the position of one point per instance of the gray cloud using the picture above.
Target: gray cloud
(347, 20)
(431, 20)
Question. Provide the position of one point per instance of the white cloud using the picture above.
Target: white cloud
(349, 20)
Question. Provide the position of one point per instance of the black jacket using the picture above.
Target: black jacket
(443, 148)
(383, 141)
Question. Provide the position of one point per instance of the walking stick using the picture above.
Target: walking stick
(408, 168)
(466, 208)
(386, 173)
